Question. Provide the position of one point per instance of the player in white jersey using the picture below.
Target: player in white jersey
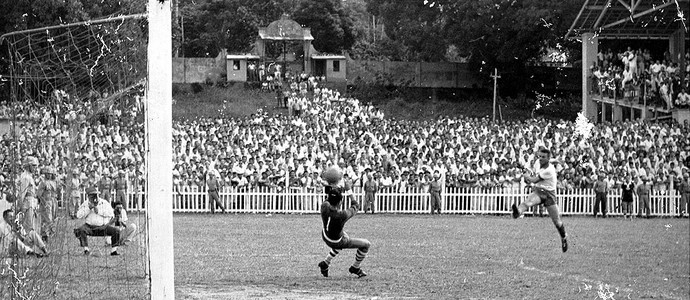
(544, 192)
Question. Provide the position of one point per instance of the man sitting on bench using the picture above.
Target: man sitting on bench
(97, 213)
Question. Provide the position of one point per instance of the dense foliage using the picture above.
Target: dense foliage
(504, 34)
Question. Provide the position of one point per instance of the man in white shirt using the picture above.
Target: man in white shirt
(544, 191)
(14, 240)
(98, 214)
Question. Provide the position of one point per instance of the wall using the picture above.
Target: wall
(199, 69)
(416, 74)
(239, 75)
(332, 75)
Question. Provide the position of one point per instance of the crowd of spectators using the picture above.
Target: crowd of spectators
(261, 150)
(291, 150)
(73, 139)
(635, 74)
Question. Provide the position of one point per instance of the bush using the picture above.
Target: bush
(197, 88)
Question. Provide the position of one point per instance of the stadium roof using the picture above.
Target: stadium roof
(630, 19)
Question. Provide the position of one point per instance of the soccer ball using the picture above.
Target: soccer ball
(332, 175)
(10, 198)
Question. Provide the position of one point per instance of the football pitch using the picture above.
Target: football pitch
(260, 256)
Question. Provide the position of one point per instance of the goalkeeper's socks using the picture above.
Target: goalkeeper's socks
(359, 257)
(331, 256)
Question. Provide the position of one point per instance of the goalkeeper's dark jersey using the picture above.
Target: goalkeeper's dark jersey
(333, 218)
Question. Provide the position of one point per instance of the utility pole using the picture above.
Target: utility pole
(495, 77)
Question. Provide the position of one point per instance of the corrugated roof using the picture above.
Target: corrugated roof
(630, 19)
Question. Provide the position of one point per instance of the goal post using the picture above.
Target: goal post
(159, 150)
(79, 84)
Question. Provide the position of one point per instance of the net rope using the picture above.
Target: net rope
(67, 81)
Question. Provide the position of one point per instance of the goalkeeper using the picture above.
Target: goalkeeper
(334, 220)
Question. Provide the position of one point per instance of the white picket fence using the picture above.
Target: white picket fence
(191, 199)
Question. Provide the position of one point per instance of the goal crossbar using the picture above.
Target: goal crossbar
(85, 23)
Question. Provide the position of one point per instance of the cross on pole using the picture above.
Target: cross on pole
(495, 77)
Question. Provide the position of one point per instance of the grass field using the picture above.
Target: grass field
(425, 257)
(237, 101)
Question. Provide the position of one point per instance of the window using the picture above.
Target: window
(236, 65)
(336, 66)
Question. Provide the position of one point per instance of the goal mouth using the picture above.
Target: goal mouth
(72, 88)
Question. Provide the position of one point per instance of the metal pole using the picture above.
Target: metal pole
(495, 77)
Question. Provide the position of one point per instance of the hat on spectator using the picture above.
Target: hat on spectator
(49, 170)
(91, 191)
(30, 161)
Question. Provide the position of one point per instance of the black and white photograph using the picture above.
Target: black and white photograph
(344, 149)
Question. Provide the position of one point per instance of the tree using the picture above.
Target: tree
(504, 34)
(28, 14)
(419, 28)
(231, 24)
(331, 24)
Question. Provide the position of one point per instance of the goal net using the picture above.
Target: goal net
(75, 103)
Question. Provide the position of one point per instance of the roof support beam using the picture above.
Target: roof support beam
(632, 17)
(572, 26)
(603, 12)
(624, 5)
(634, 5)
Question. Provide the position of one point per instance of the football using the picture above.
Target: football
(332, 175)
(10, 198)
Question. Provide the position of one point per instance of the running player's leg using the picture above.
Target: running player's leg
(532, 200)
(555, 214)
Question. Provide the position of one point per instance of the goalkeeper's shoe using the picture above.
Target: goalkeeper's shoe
(358, 272)
(324, 268)
(564, 244)
(516, 213)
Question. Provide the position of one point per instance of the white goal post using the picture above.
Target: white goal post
(159, 150)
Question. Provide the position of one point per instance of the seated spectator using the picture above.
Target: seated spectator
(97, 214)
(15, 241)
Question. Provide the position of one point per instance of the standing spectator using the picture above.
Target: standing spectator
(214, 184)
(435, 193)
(27, 201)
(643, 190)
(105, 186)
(348, 183)
(684, 189)
(279, 98)
(601, 189)
(74, 191)
(371, 186)
(627, 191)
(120, 186)
(47, 194)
